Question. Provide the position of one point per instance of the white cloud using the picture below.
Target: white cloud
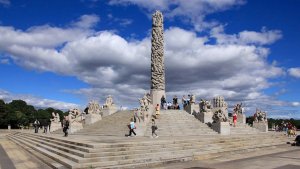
(36, 101)
(194, 11)
(294, 72)
(87, 21)
(113, 65)
(296, 104)
(265, 37)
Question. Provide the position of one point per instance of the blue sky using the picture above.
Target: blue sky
(64, 53)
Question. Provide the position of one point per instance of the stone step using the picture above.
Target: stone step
(61, 160)
(135, 146)
(110, 155)
(60, 143)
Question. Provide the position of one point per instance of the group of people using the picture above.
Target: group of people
(132, 124)
(43, 124)
(169, 105)
(287, 127)
(188, 100)
(132, 127)
(46, 124)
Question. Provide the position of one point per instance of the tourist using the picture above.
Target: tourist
(131, 128)
(175, 100)
(169, 105)
(36, 125)
(157, 113)
(234, 117)
(154, 128)
(45, 125)
(66, 126)
(163, 101)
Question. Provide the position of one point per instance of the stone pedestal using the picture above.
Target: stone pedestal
(261, 126)
(241, 118)
(222, 128)
(205, 117)
(75, 126)
(109, 110)
(192, 108)
(92, 118)
(9, 127)
(55, 126)
(156, 96)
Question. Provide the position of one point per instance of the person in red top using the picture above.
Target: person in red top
(234, 119)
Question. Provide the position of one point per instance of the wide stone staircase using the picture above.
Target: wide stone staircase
(59, 152)
(112, 125)
(241, 128)
(179, 123)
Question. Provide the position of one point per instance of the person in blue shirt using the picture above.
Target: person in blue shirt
(131, 127)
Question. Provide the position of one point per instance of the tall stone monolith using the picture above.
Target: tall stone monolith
(157, 59)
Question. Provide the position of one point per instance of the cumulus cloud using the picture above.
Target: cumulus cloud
(110, 64)
(194, 11)
(36, 101)
(87, 21)
(265, 37)
(294, 72)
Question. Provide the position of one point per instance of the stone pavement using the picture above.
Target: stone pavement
(14, 157)
(285, 157)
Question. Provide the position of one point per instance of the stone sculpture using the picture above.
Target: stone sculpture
(219, 101)
(55, 117)
(193, 99)
(109, 102)
(157, 59)
(157, 53)
(75, 115)
(260, 116)
(94, 108)
(238, 109)
(148, 97)
(205, 106)
(219, 116)
(142, 104)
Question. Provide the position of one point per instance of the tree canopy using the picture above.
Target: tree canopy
(18, 113)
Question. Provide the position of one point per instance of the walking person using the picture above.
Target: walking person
(234, 118)
(131, 128)
(36, 126)
(154, 128)
(66, 127)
